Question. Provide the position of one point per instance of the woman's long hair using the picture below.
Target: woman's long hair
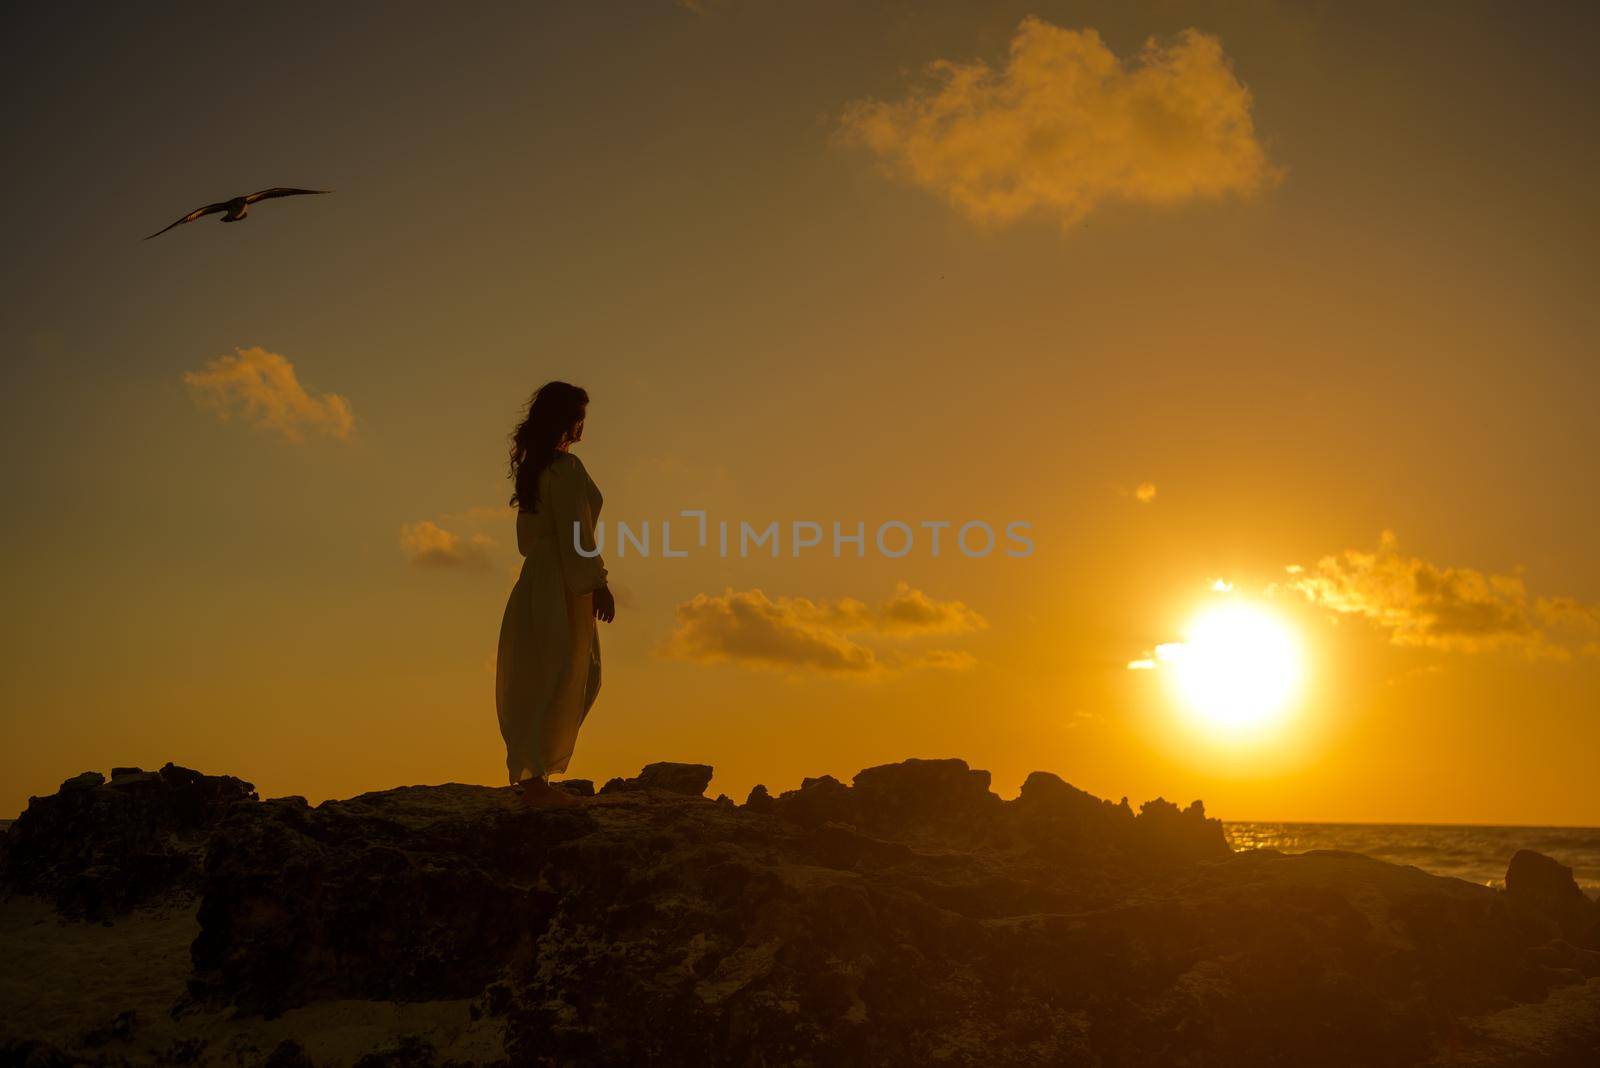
(552, 411)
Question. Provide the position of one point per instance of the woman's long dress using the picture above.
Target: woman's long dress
(547, 671)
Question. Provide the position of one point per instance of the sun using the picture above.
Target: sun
(1238, 668)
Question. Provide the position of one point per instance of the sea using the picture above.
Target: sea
(1463, 851)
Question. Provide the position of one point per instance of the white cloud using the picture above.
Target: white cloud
(1066, 126)
(262, 388)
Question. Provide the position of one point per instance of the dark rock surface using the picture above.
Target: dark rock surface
(98, 848)
(1544, 894)
(689, 779)
(909, 917)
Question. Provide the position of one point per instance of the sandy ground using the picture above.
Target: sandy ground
(67, 983)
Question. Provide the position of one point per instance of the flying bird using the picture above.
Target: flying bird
(238, 207)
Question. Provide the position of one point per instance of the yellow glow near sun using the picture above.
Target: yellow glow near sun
(1237, 669)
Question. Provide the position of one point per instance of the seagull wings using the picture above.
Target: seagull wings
(280, 191)
(209, 209)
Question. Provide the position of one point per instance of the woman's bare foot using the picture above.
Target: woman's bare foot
(539, 792)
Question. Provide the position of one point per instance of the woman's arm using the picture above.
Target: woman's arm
(583, 572)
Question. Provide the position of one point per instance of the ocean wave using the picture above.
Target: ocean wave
(1477, 854)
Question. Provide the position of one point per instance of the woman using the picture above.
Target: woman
(547, 672)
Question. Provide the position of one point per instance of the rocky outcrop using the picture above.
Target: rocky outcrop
(910, 916)
(412, 894)
(690, 779)
(1546, 899)
(99, 847)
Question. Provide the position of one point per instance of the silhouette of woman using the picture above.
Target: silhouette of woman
(547, 671)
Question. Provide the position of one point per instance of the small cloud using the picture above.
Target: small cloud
(1569, 613)
(262, 388)
(1164, 653)
(908, 612)
(750, 628)
(1066, 126)
(427, 544)
(1221, 586)
(796, 633)
(1145, 492)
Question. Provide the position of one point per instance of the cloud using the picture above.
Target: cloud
(1145, 492)
(750, 628)
(906, 612)
(1163, 653)
(261, 387)
(1452, 609)
(1067, 126)
(795, 633)
(427, 544)
(1569, 614)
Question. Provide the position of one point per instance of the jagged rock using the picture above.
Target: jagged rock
(1180, 834)
(1046, 790)
(99, 848)
(138, 780)
(580, 787)
(1063, 818)
(1544, 895)
(952, 803)
(922, 792)
(417, 893)
(87, 780)
(690, 779)
(758, 800)
(910, 917)
(819, 800)
(1058, 805)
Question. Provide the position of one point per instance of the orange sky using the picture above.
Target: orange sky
(1317, 276)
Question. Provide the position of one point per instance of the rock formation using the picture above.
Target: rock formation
(909, 917)
(98, 848)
